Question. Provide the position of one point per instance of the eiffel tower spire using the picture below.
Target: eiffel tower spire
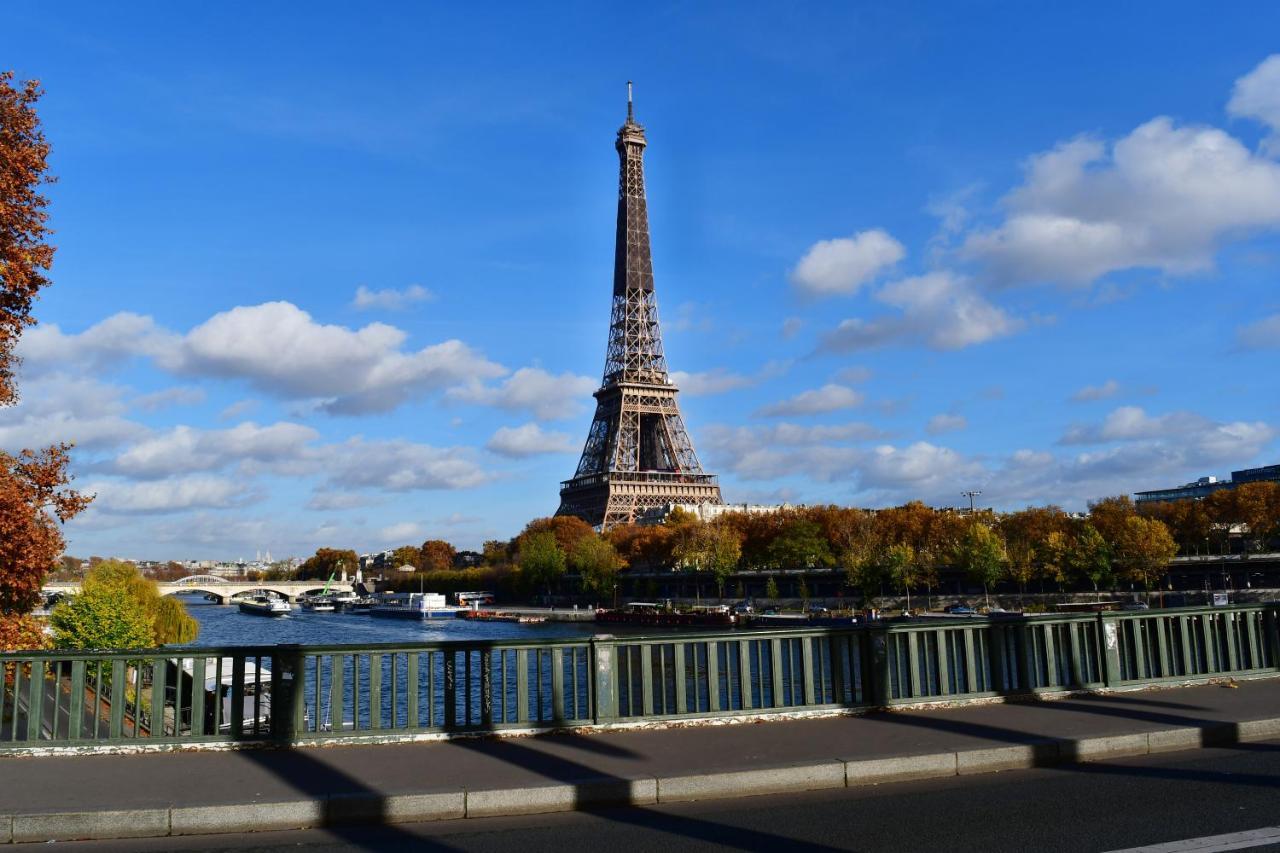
(638, 453)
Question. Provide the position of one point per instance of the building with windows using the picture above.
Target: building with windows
(1208, 485)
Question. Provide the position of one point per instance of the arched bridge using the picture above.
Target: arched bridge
(224, 589)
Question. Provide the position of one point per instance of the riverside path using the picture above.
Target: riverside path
(190, 792)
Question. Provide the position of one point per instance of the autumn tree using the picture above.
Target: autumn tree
(326, 562)
(407, 555)
(495, 553)
(713, 547)
(1109, 517)
(899, 566)
(1087, 556)
(33, 484)
(981, 556)
(436, 555)
(567, 529)
(1144, 550)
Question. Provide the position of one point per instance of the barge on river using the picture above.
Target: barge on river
(413, 605)
(647, 613)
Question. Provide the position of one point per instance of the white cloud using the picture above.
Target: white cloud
(941, 423)
(184, 449)
(829, 398)
(277, 347)
(404, 531)
(843, 265)
(390, 299)
(1257, 95)
(399, 466)
(168, 496)
(852, 375)
(940, 308)
(1263, 334)
(120, 337)
(715, 381)
(791, 327)
(1192, 435)
(178, 395)
(61, 408)
(719, 380)
(532, 389)
(327, 499)
(1088, 393)
(237, 409)
(1163, 197)
(528, 440)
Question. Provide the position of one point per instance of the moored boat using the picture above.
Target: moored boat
(648, 613)
(319, 603)
(265, 605)
(414, 605)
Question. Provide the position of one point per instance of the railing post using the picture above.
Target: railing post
(881, 682)
(1109, 643)
(604, 695)
(288, 709)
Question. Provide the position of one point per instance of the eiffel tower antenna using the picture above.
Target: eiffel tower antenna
(638, 453)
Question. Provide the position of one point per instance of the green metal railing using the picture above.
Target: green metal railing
(289, 694)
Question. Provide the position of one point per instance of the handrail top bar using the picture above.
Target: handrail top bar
(908, 626)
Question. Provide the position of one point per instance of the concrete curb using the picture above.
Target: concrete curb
(606, 792)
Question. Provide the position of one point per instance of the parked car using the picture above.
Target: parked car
(959, 609)
(1135, 605)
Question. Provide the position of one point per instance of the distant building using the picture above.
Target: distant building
(467, 559)
(1206, 486)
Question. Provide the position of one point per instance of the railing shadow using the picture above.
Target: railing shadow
(348, 805)
(602, 794)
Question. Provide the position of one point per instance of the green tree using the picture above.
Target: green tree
(170, 622)
(981, 556)
(541, 561)
(596, 561)
(800, 545)
(107, 614)
(1088, 557)
(771, 588)
(899, 565)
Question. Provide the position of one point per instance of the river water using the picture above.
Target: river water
(221, 625)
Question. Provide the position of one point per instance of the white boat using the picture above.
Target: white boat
(265, 605)
(319, 603)
(414, 605)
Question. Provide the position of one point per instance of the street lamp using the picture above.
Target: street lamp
(971, 494)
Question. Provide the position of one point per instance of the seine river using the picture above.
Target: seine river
(226, 626)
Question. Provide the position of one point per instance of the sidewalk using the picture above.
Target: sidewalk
(185, 793)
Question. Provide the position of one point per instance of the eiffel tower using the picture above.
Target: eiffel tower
(638, 454)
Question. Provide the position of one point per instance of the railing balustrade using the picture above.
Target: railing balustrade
(290, 694)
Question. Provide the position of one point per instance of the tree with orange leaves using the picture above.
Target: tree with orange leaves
(33, 484)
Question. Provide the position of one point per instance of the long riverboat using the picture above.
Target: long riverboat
(414, 605)
(648, 613)
(265, 605)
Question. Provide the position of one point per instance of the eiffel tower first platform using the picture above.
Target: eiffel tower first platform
(638, 453)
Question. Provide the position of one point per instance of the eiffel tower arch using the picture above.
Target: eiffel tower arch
(638, 453)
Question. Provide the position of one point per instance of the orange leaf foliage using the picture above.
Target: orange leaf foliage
(33, 493)
(24, 252)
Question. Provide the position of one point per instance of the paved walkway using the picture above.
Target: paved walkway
(108, 796)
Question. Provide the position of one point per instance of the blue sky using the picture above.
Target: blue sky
(342, 278)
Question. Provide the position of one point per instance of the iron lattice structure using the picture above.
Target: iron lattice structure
(638, 453)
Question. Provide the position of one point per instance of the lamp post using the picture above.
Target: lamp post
(971, 494)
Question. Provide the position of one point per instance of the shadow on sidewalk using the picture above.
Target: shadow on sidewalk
(319, 781)
(589, 783)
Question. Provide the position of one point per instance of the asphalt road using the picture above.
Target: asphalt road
(1093, 807)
